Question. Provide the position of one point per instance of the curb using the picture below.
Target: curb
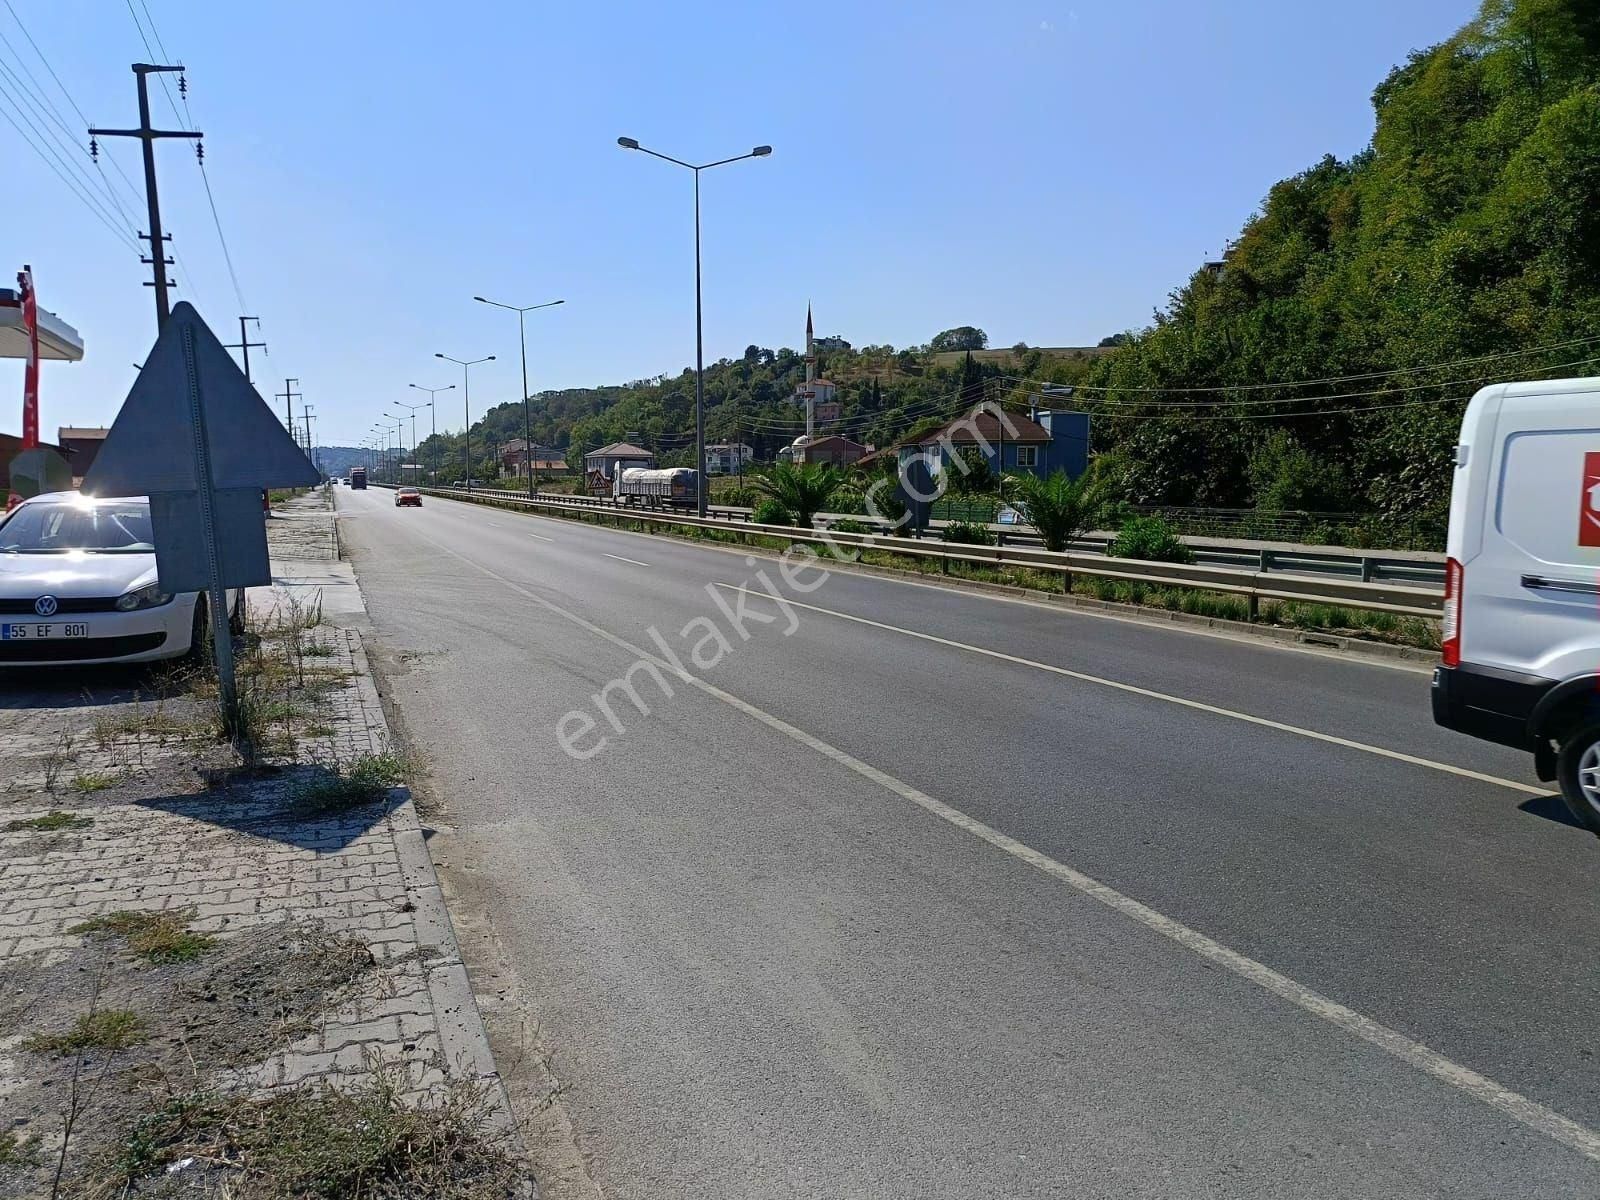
(460, 1025)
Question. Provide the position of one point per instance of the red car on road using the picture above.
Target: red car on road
(407, 496)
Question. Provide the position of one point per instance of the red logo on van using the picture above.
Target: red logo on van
(1589, 503)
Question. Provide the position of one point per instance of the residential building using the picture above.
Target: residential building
(608, 460)
(830, 448)
(728, 458)
(515, 459)
(1040, 444)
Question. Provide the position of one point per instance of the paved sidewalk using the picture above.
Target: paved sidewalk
(120, 799)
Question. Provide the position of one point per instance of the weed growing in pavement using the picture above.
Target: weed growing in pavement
(159, 937)
(364, 780)
(88, 782)
(103, 1029)
(363, 1142)
(53, 821)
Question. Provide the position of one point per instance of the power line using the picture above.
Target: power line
(172, 104)
(73, 184)
(1247, 387)
(63, 152)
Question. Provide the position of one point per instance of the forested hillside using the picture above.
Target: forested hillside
(1469, 228)
(1325, 362)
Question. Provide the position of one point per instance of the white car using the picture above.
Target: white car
(78, 585)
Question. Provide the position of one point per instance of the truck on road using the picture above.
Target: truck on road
(358, 478)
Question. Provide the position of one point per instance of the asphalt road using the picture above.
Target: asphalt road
(914, 892)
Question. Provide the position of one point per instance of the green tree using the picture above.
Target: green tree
(963, 337)
(1059, 507)
(802, 490)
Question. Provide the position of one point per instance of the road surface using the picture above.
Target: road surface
(916, 892)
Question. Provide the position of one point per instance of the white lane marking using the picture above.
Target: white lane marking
(1149, 693)
(1153, 622)
(619, 558)
(1480, 1087)
(540, 536)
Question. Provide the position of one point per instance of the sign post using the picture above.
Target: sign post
(195, 437)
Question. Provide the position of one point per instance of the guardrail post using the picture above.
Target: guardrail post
(1253, 607)
(1266, 559)
(1366, 568)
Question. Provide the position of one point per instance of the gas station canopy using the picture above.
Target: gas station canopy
(58, 341)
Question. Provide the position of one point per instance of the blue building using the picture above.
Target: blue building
(1040, 442)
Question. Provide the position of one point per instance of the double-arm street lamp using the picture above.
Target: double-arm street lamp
(411, 410)
(399, 430)
(522, 340)
(433, 420)
(628, 143)
(466, 401)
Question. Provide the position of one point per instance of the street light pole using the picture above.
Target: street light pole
(433, 418)
(699, 324)
(466, 402)
(522, 340)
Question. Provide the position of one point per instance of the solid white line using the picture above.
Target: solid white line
(1480, 1087)
(619, 558)
(1134, 689)
(540, 536)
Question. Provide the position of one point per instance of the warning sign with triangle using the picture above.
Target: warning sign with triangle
(152, 443)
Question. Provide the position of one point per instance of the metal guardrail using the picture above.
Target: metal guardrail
(1368, 566)
(1253, 584)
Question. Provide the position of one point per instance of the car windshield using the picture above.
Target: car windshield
(120, 527)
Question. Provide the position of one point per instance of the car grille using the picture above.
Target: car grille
(69, 649)
(64, 604)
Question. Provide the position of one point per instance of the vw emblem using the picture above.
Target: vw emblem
(46, 606)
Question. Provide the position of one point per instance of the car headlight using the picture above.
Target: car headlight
(149, 596)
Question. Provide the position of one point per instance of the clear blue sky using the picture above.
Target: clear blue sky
(1047, 171)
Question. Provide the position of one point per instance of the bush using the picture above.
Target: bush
(736, 497)
(968, 533)
(849, 525)
(769, 512)
(1150, 539)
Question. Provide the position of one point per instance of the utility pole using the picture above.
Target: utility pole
(158, 250)
(288, 396)
(311, 453)
(245, 345)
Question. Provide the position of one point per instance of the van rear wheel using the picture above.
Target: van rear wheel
(1578, 770)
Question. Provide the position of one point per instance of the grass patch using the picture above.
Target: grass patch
(19, 1151)
(88, 782)
(163, 937)
(362, 781)
(51, 822)
(108, 1029)
(361, 1143)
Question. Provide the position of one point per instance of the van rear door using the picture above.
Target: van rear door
(1532, 594)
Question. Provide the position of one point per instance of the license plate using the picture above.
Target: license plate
(38, 633)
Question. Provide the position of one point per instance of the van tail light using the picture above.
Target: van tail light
(1450, 627)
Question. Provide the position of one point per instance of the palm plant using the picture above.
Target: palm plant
(802, 490)
(1059, 507)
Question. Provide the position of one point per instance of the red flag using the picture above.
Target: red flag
(30, 380)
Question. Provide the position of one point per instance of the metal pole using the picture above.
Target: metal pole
(466, 409)
(699, 360)
(433, 416)
(527, 420)
(221, 635)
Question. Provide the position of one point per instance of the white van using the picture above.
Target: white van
(1521, 661)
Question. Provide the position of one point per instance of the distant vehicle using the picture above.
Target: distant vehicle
(676, 486)
(78, 585)
(1521, 630)
(409, 496)
(358, 478)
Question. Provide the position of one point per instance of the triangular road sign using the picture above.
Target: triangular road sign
(151, 444)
